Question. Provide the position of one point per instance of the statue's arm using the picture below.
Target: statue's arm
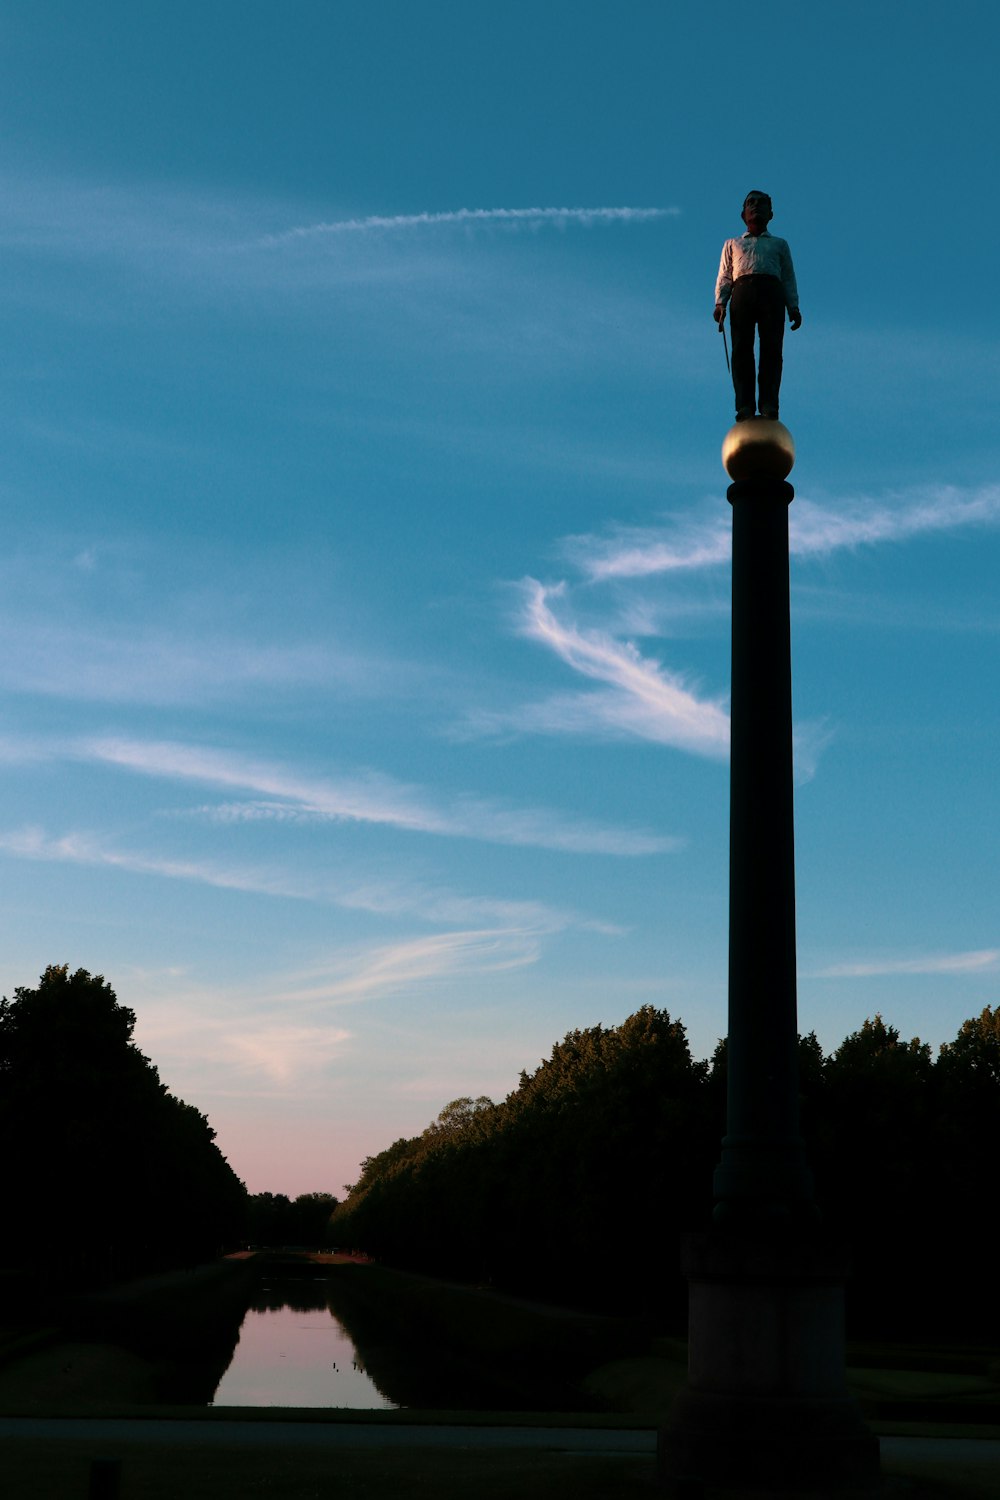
(724, 283)
(791, 289)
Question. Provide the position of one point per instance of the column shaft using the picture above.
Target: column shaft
(762, 1174)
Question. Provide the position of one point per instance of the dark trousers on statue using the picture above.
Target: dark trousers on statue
(757, 305)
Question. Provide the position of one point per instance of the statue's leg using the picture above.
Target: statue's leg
(771, 323)
(741, 327)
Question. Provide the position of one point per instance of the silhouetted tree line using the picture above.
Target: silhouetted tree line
(274, 1219)
(104, 1172)
(579, 1184)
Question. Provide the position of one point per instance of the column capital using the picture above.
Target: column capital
(761, 490)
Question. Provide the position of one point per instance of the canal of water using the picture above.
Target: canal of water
(294, 1351)
(313, 1337)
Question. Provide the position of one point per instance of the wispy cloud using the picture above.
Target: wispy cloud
(112, 621)
(472, 218)
(644, 698)
(819, 529)
(437, 904)
(977, 961)
(282, 1053)
(398, 966)
(382, 896)
(814, 530)
(640, 697)
(369, 798)
(82, 848)
(276, 1035)
(640, 551)
(83, 663)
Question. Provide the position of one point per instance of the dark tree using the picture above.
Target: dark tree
(275, 1220)
(104, 1170)
(597, 1158)
(604, 1154)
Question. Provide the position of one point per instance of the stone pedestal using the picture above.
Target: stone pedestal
(766, 1405)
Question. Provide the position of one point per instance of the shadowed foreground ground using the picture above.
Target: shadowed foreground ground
(314, 1461)
(40, 1469)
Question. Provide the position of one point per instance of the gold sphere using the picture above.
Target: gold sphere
(758, 449)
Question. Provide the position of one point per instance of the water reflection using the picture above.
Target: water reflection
(293, 1351)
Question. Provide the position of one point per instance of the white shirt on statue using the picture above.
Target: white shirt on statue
(756, 255)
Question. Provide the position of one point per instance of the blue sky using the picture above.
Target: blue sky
(364, 605)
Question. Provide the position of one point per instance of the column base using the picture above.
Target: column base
(766, 1406)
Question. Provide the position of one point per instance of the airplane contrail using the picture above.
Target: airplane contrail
(525, 216)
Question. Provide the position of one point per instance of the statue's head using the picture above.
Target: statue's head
(757, 208)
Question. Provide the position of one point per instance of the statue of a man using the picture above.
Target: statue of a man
(757, 278)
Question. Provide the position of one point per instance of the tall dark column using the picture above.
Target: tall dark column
(766, 1402)
(762, 1174)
